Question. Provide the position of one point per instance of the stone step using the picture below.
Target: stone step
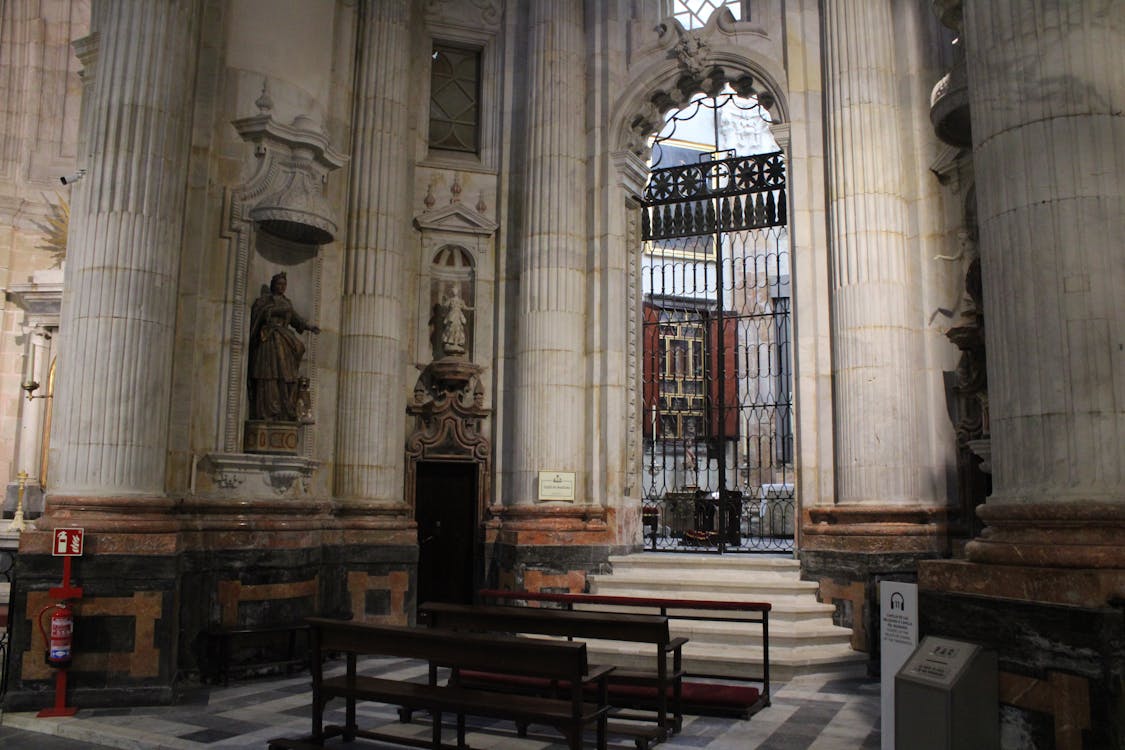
(742, 661)
(683, 562)
(803, 638)
(807, 633)
(764, 588)
(784, 610)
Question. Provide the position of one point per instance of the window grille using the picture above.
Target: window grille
(455, 99)
(692, 14)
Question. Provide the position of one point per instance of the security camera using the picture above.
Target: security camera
(72, 178)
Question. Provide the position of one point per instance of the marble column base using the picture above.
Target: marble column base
(564, 517)
(878, 528)
(124, 514)
(1060, 534)
(1090, 587)
(555, 563)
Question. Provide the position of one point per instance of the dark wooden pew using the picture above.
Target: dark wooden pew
(583, 702)
(703, 693)
(662, 678)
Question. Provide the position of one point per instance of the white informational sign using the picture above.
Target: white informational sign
(898, 637)
(556, 485)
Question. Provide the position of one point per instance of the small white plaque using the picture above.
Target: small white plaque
(898, 631)
(939, 661)
(556, 485)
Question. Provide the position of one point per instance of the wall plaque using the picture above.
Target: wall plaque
(556, 485)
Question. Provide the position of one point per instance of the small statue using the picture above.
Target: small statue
(276, 351)
(453, 331)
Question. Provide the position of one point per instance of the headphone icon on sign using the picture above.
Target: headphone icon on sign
(898, 602)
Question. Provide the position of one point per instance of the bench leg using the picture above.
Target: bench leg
(521, 728)
(317, 717)
(349, 720)
(225, 651)
(435, 739)
(602, 739)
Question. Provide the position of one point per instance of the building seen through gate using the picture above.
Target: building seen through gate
(718, 398)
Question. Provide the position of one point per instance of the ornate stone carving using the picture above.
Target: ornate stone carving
(293, 205)
(449, 415)
(226, 475)
(698, 70)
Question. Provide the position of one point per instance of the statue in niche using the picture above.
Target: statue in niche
(273, 383)
(453, 326)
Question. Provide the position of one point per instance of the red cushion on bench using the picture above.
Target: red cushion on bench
(720, 695)
(695, 694)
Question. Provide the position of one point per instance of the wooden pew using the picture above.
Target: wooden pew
(564, 662)
(703, 693)
(663, 678)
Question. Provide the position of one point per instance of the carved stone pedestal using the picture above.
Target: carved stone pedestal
(278, 438)
(247, 475)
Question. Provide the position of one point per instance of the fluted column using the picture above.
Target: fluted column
(110, 434)
(550, 393)
(876, 350)
(369, 442)
(1047, 97)
(37, 369)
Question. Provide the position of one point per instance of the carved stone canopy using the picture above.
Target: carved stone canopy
(294, 206)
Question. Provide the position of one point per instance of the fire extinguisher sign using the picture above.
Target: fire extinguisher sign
(68, 543)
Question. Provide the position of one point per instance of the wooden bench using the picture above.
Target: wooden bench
(221, 643)
(560, 661)
(274, 636)
(702, 693)
(663, 679)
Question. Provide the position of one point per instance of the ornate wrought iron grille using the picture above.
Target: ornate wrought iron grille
(717, 390)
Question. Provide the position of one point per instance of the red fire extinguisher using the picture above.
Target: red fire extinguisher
(62, 632)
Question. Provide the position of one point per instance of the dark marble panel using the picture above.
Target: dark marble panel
(1034, 640)
(105, 633)
(548, 558)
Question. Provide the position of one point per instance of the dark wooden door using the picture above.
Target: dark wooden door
(445, 509)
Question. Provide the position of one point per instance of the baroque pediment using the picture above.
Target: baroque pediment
(455, 218)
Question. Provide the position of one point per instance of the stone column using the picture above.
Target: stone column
(875, 347)
(369, 441)
(37, 366)
(110, 434)
(550, 389)
(1046, 97)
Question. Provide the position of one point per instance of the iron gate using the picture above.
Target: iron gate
(717, 374)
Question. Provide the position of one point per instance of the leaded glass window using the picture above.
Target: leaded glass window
(692, 14)
(455, 99)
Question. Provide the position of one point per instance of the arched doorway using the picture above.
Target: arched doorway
(717, 348)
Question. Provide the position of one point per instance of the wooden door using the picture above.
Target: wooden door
(445, 509)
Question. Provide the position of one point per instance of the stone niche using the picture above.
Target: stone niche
(278, 219)
(455, 301)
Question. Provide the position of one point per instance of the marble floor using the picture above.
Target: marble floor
(812, 712)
